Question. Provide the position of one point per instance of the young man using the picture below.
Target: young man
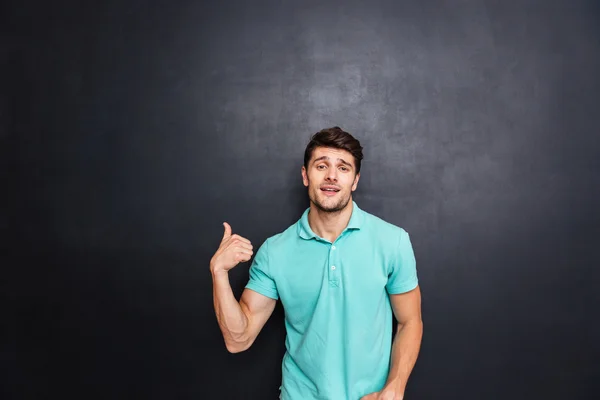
(341, 274)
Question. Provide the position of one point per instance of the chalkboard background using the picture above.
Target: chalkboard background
(131, 130)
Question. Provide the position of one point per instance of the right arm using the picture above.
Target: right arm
(240, 322)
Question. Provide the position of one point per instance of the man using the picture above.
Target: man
(340, 273)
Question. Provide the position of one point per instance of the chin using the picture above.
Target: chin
(326, 206)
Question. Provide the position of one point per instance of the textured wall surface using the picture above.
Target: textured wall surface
(131, 130)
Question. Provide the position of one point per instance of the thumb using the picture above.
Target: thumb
(227, 232)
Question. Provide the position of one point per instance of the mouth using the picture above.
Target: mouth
(329, 190)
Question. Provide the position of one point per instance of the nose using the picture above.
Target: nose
(331, 174)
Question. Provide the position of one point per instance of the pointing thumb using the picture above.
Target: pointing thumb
(227, 232)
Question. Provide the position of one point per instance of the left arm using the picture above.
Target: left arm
(406, 344)
(407, 341)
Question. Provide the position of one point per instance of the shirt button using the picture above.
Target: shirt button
(333, 267)
(332, 247)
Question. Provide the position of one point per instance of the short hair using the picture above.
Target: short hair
(334, 137)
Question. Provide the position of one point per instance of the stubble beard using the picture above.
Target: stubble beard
(337, 207)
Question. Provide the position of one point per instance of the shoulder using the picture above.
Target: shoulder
(279, 241)
(390, 239)
(380, 229)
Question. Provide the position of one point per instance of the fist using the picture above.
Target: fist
(233, 250)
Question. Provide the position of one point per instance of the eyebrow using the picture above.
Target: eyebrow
(327, 158)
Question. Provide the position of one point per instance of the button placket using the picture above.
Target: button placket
(333, 267)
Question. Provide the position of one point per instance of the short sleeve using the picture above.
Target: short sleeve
(260, 279)
(403, 273)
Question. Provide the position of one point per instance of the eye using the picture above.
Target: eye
(320, 166)
(344, 168)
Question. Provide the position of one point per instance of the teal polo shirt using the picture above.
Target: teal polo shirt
(335, 296)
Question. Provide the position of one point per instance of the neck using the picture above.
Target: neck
(329, 225)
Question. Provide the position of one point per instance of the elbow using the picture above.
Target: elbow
(237, 347)
(414, 323)
(234, 348)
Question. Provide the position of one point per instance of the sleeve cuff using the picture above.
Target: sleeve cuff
(403, 287)
(265, 291)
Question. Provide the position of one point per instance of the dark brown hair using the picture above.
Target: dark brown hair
(337, 138)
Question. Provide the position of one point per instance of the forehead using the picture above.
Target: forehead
(333, 154)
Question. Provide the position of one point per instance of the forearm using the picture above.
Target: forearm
(230, 315)
(405, 350)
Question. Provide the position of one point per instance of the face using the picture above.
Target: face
(330, 178)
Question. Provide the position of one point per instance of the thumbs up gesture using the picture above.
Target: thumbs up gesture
(232, 250)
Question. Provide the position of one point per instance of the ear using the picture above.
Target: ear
(355, 184)
(304, 177)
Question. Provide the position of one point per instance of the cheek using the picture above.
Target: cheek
(313, 179)
(349, 183)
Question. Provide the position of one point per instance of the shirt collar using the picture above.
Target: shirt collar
(355, 222)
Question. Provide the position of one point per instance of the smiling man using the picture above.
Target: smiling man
(342, 275)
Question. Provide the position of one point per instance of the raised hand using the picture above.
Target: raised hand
(232, 250)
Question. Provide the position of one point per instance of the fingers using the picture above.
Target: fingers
(243, 257)
(243, 250)
(370, 396)
(240, 244)
(236, 240)
(241, 239)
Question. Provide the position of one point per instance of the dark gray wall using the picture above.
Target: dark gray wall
(130, 132)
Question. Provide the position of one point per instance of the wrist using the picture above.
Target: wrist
(217, 271)
(396, 386)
